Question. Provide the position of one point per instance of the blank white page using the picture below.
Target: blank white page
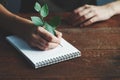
(37, 56)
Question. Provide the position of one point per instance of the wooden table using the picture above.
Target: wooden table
(100, 60)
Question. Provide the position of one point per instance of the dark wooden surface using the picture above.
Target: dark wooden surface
(100, 60)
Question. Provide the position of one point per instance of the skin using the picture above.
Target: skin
(36, 37)
(89, 14)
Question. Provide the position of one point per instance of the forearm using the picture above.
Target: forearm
(115, 6)
(13, 23)
(37, 37)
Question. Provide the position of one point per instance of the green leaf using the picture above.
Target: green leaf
(49, 28)
(44, 10)
(55, 21)
(37, 7)
(37, 21)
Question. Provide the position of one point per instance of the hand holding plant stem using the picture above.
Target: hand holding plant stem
(39, 21)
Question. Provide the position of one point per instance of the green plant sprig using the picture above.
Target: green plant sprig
(39, 21)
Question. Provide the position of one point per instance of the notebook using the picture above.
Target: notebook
(44, 58)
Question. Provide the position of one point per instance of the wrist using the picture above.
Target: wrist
(115, 7)
(23, 27)
(110, 9)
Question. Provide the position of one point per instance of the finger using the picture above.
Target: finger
(87, 16)
(46, 47)
(39, 39)
(82, 16)
(79, 21)
(50, 45)
(91, 21)
(39, 44)
(34, 44)
(72, 19)
(81, 8)
(84, 12)
(58, 34)
(47, 35)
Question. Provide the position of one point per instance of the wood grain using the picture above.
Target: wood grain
(100, 60)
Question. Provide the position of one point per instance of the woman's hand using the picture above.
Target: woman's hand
(42, 39)
(89, 14)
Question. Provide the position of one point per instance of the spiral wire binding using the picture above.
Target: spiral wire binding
(57, 59)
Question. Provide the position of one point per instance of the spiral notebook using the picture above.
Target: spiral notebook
(44, 58)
